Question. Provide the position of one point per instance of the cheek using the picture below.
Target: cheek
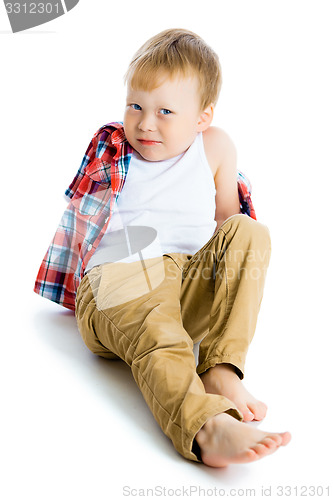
(128, 123)
(181, 132)
(172, 129)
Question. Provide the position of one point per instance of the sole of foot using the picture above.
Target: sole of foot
(223, 440)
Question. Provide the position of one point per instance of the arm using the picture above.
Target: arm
(222, 157)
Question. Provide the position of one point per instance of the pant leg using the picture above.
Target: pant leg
(222, 290)
(148, 334)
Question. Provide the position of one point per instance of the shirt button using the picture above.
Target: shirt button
(89, 247)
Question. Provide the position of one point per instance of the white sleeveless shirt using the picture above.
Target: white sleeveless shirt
(164, 206)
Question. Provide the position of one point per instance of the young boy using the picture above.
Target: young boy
(159, 248)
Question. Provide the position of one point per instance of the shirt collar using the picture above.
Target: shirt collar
(118, 135)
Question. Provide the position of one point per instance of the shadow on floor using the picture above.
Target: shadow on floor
(113, 379)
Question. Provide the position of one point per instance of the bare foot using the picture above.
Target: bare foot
(222, 379)
(223, 440)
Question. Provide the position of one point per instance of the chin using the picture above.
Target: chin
(150, 157)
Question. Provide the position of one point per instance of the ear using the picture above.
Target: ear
(205, 118)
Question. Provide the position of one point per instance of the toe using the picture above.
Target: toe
(270, 443)
(275, 438)
(286, 437)
(248, 415)
(258, 409)
(249, 456)
(262, 449)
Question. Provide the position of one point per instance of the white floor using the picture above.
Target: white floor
(74, 426)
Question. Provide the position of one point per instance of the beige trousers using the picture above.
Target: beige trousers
(149, 313)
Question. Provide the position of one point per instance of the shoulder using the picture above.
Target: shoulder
(110, 128)
(110, 139)
(219, 148)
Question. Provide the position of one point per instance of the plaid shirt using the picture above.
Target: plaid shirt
(93, 191)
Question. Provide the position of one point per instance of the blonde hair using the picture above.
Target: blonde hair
(176, 52)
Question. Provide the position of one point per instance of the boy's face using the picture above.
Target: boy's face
(163, 122)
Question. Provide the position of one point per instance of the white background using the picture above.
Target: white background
(75, 426)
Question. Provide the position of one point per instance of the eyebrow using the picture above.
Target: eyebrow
(130, 100)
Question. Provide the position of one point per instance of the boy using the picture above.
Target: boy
(159, 248)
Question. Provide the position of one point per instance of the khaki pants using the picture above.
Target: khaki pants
(150, 313)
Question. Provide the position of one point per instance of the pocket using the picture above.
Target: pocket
(90, 205)
(91, 197)
(180, 259)
(197, 256)
(99, 171)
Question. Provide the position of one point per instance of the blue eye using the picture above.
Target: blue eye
(165, 111)
(136, 107)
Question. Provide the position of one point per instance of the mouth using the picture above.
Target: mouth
(145, 142)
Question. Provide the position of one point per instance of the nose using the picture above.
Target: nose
(147, 123)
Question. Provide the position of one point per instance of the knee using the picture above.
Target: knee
(248, 228)
(87, 327)
(94, 345)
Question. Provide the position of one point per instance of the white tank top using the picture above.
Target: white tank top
(163, 207)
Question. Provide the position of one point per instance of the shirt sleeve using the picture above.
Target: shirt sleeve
(88, 156)
(244, 194)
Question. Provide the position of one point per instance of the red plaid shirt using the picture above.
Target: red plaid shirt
(93, 191)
